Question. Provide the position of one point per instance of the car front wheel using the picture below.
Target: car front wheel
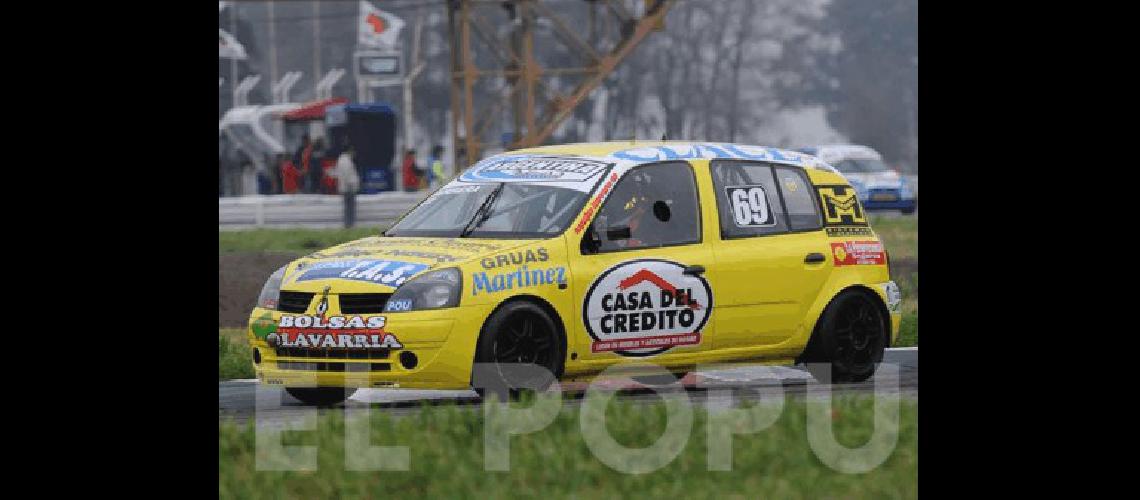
(851, 336)
(518, 349)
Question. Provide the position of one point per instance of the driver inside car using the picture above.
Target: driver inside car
(637, 215)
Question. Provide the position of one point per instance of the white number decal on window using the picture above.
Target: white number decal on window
(750, 206)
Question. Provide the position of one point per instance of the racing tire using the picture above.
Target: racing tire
(320, 396)
(851, 336)
(522, 333)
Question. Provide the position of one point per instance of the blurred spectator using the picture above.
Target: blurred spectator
(264, 182)
(290, 176)
(328, 159)
(435, 175)
(298, 155)
(301, 159)
(275, 173)
(348, 182)
(411, 173)
(248, 179)
(314, 168)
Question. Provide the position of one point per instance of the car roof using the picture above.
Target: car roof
(662, 150)
(576, 166)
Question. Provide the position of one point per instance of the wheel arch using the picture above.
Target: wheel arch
(559, 323)
(818, 311)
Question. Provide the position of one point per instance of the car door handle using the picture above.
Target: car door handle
(694, 270)
(814, 258)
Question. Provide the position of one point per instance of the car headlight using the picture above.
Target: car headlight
(272, 287)
(431, 290)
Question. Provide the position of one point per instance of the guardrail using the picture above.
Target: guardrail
(311, 210)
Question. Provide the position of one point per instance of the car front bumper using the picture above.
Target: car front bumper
(889, 205)
(886, 199)
(443, 342)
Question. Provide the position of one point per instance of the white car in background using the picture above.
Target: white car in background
(877, 186)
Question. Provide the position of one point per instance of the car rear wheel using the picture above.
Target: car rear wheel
(320, 396)
(851, 337)
(517, 338)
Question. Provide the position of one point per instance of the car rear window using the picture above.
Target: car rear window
(799, 199)
(757, 199)
(747, 199)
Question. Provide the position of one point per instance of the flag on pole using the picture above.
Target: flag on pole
(228, 46)
(377, 28)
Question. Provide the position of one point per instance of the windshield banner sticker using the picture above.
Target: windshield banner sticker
(646, 307)
(383, 272)
(578, 172)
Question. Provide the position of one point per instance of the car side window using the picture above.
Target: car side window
(651, 206)
(748, 199)
(799, 199)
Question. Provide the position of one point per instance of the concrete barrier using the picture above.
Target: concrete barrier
(311, 210)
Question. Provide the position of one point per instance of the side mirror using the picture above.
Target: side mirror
(591, 241)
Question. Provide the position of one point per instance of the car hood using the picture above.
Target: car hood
(380, 264)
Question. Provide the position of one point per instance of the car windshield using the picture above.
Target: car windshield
(860, 166)
(518, 210)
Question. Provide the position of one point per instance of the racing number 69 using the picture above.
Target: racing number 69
(749, 205)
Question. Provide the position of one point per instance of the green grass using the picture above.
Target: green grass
(908, 286)
(235, 360)
(289, 240)
(908, 330)
(446, 459)
(899, 235)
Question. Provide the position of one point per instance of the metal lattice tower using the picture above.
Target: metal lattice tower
(537, 109)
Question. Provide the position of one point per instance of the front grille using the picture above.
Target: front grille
(294, 302)
(333, 366)
(332, 353)
(363, 303)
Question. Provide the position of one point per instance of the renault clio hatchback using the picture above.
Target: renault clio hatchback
(578, 257)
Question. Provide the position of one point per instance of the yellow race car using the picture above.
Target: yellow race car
(577, 257)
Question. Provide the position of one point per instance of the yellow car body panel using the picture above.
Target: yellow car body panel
(764, 300)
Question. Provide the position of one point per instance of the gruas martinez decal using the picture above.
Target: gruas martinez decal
(516, 258)
(645, 307)
(351, 332)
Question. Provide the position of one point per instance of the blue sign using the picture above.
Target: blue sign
(376, 180)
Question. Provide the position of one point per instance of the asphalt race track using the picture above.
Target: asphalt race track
(236, 398)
